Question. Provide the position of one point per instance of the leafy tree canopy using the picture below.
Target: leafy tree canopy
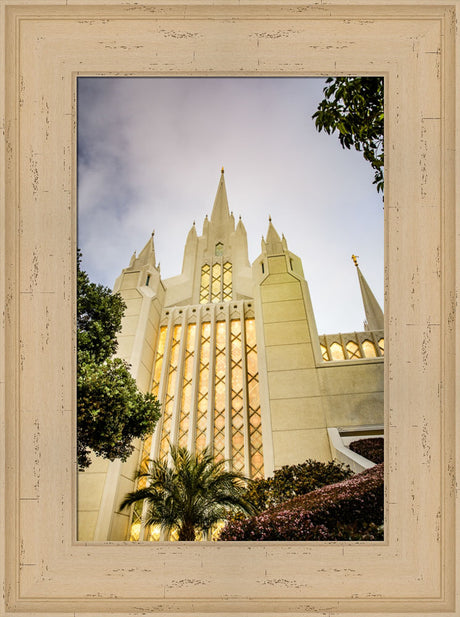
(111, 411)
(354, 107)
(191, 494)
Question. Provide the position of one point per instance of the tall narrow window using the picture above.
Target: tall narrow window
(137, 509)
(219, 249)
(186, 399)
(203, 387)
(227, 282)
(219, 401)
(237, 396)
(255, 423)
(204, 287)
(169, 400)
(216, 283)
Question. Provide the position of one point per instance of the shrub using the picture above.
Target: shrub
(348, 510)
(292, 480)
(371, 448)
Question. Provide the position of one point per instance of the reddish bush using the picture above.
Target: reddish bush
(371, 448)
(349, 510)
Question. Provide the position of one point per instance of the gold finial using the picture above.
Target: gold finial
(355, 259)
(269, 218)
(222, 170)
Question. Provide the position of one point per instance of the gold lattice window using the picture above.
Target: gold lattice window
(227, 282)
(136, 522)
(219, 396)
(169, 400)
(369, 349)
(382, 345)
(186, 399)
(146, 448)
(337, 351)
(324, 353)
(216, 284)
(237, 396)
(255, 424)
(353, 350)
(203, 387)
(204, 286)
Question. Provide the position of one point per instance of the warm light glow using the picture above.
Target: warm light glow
(337, 351)
(353, 350)
(169, 401)
(255, 422)
(324, 353)
(237, 396)
(187, 385)
(369, 349)
(203, 387)
(219, 396)
(204, 288)
(382, 345)
(227, 282)
(216, 283)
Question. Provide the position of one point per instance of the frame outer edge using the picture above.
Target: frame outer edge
(451, 193)
(2, 303)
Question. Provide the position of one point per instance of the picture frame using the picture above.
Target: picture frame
(45, 46)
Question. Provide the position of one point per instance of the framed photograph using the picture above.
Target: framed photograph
(46, 47)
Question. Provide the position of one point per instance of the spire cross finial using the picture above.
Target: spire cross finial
(355, 259)
(269, 218)
(222, 170)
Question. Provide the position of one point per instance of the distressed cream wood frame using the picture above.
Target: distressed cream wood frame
(44, 47)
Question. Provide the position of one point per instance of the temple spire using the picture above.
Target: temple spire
(273, 242)
(147, 255)
(220, 212)
(374, 314)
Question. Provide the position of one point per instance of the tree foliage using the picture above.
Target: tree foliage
(354, 107)
(192, 494)
(111, 411)
(292, 480)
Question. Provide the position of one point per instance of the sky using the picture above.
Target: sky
(150, 151)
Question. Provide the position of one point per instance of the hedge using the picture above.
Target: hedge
(371, 448)
(348, 510)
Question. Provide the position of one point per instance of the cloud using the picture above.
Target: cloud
(150, 152)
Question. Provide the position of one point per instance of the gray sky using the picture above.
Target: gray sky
(149, 157)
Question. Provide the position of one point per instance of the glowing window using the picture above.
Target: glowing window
(169, 401)
(204, 287)
(381, 345)
(255, 425)
(324, 353)
(187, 385)
(219, 394)
(227, 282)
(203, 387)
(237, 396)
(369, 349)
(216, 285)
(353, 350)
(337, 351)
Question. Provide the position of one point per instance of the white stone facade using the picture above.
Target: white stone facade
(232, 353)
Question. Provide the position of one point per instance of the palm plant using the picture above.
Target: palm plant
(191, 494)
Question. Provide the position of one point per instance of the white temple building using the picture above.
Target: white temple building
(232, 352)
